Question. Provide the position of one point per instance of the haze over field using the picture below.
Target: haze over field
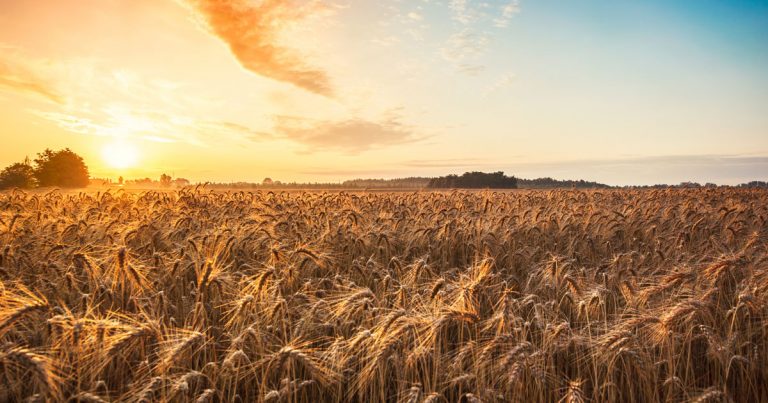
(619, 92)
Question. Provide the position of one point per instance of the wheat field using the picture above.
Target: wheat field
(522, 296)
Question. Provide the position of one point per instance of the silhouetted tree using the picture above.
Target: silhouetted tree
(475, 180)
(549, 183)
(61, 168)
(403, 183)
(181, 182)
(19, 175)
(754, 184)
(165, 180)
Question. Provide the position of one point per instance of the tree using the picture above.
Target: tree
(475, 180)
(267, 182)
(181, 182)
(19, 175)
(61, 168)
(165, 180)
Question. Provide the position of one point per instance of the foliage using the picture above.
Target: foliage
(475, 180)
(755, 184)
(61, 168)
(398, 183)
(165, 180)
(411, 183)
(549, 183)
(19, 175)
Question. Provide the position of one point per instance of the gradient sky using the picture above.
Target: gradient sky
(621, 92)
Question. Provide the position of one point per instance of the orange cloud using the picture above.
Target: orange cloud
(250, 30)
(350, 136)
(18, 75)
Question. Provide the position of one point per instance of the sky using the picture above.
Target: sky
(621, 92)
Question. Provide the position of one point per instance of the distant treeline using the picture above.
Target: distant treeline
(400, 183)
(549, 183)
(694, 185)
(474, 180)
(468, 180)
(275, 185)
(754, 184)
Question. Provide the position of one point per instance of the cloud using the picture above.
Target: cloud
(471, 69)
(507, 12)
(468, 12)
(73, 123)
(152, 126)
(386, 41)
(90, 99)
(447, 163)
(348, 174)
(506, 80)
(250, 29)
(350, 135)
(20, 74)
(464, 45)
(232, 130)
(461, 11)
(473, 39)
(415, 16)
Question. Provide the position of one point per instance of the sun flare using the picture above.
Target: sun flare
(120, 154)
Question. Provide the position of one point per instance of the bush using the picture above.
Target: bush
(19, 175)
(61, 168)
(475, 180)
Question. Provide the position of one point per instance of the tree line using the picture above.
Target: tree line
(549, 183)
(62, 168)
(474, 180)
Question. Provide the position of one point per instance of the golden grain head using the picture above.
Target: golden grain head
(572, 296)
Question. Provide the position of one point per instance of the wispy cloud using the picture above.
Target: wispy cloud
(508, 11)
(250, 29)
(471, 69)
(472, 39)
(447, 163)
(462, 12)
(504, 81)
(90, 99)
(20, 74)
(152, 126)
(463, 46)
(469, 12)
(347, 174)
(123, 103)
(413, 15)
(386, 41)
(348, 135)
(234, 130)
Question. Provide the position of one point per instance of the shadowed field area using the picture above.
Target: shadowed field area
(530, 296)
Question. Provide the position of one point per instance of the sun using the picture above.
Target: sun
(120, 154)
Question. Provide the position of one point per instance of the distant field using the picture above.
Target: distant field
(523, 296)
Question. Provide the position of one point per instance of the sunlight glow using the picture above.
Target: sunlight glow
(120, 154)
